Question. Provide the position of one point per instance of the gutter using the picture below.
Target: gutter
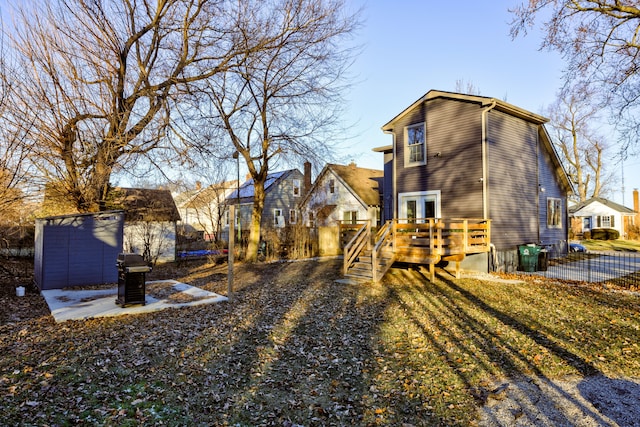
(485, 110)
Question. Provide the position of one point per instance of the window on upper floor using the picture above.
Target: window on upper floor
(296, 187)
(415, 145)
(554, 213)
(332, 186)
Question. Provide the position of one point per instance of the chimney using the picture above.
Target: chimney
(636, 206)
(198, 185)
(307, 176)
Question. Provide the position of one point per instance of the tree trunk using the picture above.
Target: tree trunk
(256, 217)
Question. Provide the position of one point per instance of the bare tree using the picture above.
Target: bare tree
(581, 148)
(283, 102)
(101, 79)
(13, 156)
(466, 87)
(599, 40)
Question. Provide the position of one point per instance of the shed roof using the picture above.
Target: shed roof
(144, 204)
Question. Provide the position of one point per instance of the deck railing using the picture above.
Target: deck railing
(419, 241)
(443, 236)
(359, 242)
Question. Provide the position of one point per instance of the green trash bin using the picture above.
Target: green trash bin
(529, 257)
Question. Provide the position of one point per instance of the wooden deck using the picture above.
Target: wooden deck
(422, 241)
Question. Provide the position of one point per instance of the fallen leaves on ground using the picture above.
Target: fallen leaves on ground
(295, 347)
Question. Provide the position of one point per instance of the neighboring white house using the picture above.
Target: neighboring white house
(202, 210)
(343, 193)
(150, 222)
(600, 213)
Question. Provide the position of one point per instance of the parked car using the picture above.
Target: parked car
(577, 247)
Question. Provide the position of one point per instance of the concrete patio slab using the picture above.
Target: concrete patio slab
(75, 304)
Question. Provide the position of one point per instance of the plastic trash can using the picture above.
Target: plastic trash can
(528, 257)
(543, 260)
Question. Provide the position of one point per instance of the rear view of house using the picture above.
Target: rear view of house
(465, 156)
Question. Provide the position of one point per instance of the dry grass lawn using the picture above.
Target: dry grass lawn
(295, 347)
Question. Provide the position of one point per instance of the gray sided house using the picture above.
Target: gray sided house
(77, 249)
(343, 194)
(150, 222)
(467, 156)
(283, 192)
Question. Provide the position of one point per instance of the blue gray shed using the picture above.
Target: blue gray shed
(78, 249)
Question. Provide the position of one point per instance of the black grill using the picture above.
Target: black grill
(131, 279)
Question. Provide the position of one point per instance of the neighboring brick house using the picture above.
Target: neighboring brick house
(467, 156)
(343, 193)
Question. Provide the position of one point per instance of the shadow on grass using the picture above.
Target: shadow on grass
(601, 396)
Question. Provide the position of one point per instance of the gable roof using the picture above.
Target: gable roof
(247, 189)
(198, 198)
(499, 105)
(144, 204)
(482, 100)
(608, 203)
(364, 183)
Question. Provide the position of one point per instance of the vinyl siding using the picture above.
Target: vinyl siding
(512, 180)
(454, 156)
(549, 181)
(280, 196)
(77, 250)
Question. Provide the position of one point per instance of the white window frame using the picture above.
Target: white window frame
(408, 147)
(352, 219)
(277, 213)
(605, 221)
(554, 212)
(420, 197)
(293, 216)
(297, 186)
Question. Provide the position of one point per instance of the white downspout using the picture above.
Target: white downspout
(485, 198)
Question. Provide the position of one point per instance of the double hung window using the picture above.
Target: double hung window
(415, 145)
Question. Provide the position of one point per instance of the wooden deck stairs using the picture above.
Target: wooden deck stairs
(368, 257)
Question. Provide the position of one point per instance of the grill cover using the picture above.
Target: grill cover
(131, 279)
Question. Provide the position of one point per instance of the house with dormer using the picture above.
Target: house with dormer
(343, 193)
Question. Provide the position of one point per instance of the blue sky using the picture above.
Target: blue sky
(413, 46)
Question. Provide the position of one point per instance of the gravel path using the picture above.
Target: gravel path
(590, 401)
